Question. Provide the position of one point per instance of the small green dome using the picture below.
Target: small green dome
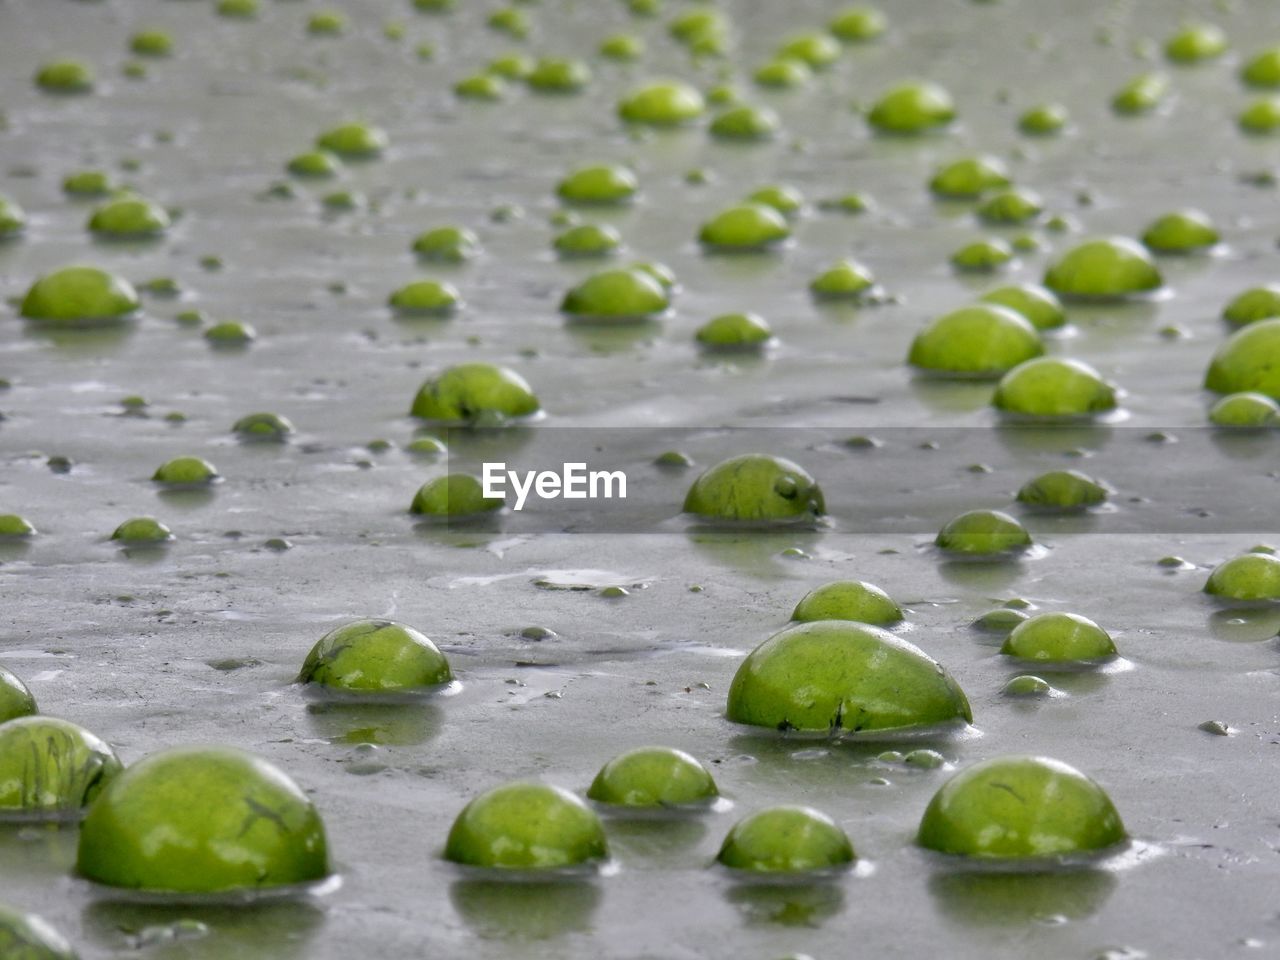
(622, 46)
(315, 164)
(65, 76)
(1039, 305)
(1248, 577)
(746, 122)
(79, 295)
(1195, 43)
(186, 472)
(1044, 120)
(588, 240)
(608, 183)
(783, 73)
(15, 699)
(858, 24)
(426, 298)
(1059, 638)
(755, 487)
(1185, 231)
(141, 530)
(88, 183)
(1140, 95)
(1263, 69)
(375, 656)
(1261, 116)
(734, 331)
(787, 200)
(982, 256)
(970, 177)
(653, 777)
(662, 104)
(129, 217)
(469, 391)
(263, 426)
(1254, 304)
(843, 280)
(983, 533)
(51, 769)
(230, 333)
(1054, 388)
(621, 294)
(151, 43)
(454, 495)
(848, 600)
(1062, 490)
(913, 108)
(557, 75)
(447, 245)
(356, 140)
(982, 341)
(748, 226)
(1249, 361)
(15, 526)
(526, 826)
(1245, 411)
(789, 839)
(819, 50)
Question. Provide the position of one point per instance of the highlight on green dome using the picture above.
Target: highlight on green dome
(983, 256)
(475, 392)
(1054, 388)
(786, 840)
(267, 427)
(1013, 205)
(14, 526)
(1141, 95)
(13, 220)
(650, 777)
(1195, 43)
(587, 240)
(51, 769)
(854, 600)
(375, 656)
(755, 488)
(977, 342)
(527, 826)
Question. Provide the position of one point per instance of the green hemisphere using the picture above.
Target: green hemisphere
(662, 104)
(734, 331)
(658, 271)
(1249, 577)
(79, 295)
(836, 676)
(202, 820)
(783, 73)
(50, 768)
(511, 66)
(1019, 807)
(24, 936)
(151, 43)
(454, 495)
(326, 23)
(469, 391)
(139, 530)
(481, 86)
(983, 533)
(607, 183)
(1249, 361)
(688, 26)
(447, 245)
(755, 487)
(1059, 638)
(621, 46)
(848, 600)
(510, 21)
(14, 526)
(1039, 305)
(356, 140)
(65, 76)
(970, 177)
(1001, 620)
(129, 217)
(1044, 120)
(1012, 206)
(526, 826)
(790, 839)
(746, 122)
(314, 164)
(588, 240)
(263, 426)
(621, 294)
(747, 226)
(13, 220)
(843, 280)
(1261, 116)
(1140, 95)
(817, 49)
(1185, 231)
(554, 75)
(653, 777)
(238, 9)
(981, 342)
(375, 656)
(1027, 685)
(787, 200)
(912, 108)
(1062, 490)
(15, 699)
(88, 183)
(982, 256)
(1245, 411)
(1195, 43)
(858, 24)
(186, 471)
(1263, 70)
(230, 333)
(426, 298)
(1054, 387)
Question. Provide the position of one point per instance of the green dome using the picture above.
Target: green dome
(734, 331)
(13, 525)
(1011, 206)
(186, 472)
(858, 24)
(1059, 638)
(688, 26)
(230, 333)
(848, 600)
(202, 820)
(622, 294)
(1263, 70)
(653, 777)
(79, 295)
(1186, 231)
(141, 530)
(983, 533)
(1196, 42)
(469, 391)
(622, 46)
(1044, 120)
(1246, 411)
(1109, 269)
(913, 108)
(1248, 361)
(836, 676)
(601, 184)
(15, 699)
(129, 217)
(982, 341)
(375, 656)
(314, 164)
(1248, 577)
(843, 280)
(788, 839)
(970, 177)
(426, 298)
(982, 256)
(748, 226)
(1062, 490)
(151, 43)
(787, 200)
(447, 245)
(588, 240)
(24, 936)
(88, 183)
(746, 122)
(1140, 95)
(783, 73)
(356, 140)
(263, 426)
(1254, 304)
(819, 50)
(454, 495)
(664, 104)
(555, 75)
(50, 768)
(12, 219)
(755, 487)
(1020, 807)
(526, 826)
(1053, 388)
(65, 76)
(1261, 116)
(1039, 305)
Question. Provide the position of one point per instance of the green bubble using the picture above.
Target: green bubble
(673, 459)
(79, 295)
(658, 271)
(230, 333)
(1027, 685)
(1249, 361)
(326, 23)
(784, 73)
(434, 6)
(755, 487)
(688, 26)
(269, 427)
(970, 177)
(1185, 231)
(1013, 206)
(745, 227)
(24, 936)
(1196, 43)
(622, 46)
(1044, 120)
(1248, 577)
(65, 76)
(356, 140)
(852, 203)
(202, 820)
(843, 280)
(982, 341)
(858, 24)
(12, 218)
(447, 245)
(1261, 116)
(426, 298)
(88, 183)
(14, 526)
(1062, 490)
(238, 9)
(375, 656)
(605, 184)
(983, 256)
(1019, 807)
(1059, 638)
(185, 472)
(836, 676)
(129, 217)
(735, 331)
(468, 392)
(983, 533)
(552, 75)
(644, 8)
(588, 240)
(427, 447)
(1140, 95)
(1245, 411)
(663, 104)
(1263, 70)
(342, 200)
(787, 200)
(616, 295)
(746, 122)
(1054, 387)
(140, 530)
(653, 777)
(913, 108)
(999, 621)
(818, 50)
(15, 699)
(790, 839)
(454, 495)
(511, 21)
(50, 768)
(526, 826)
(511, 66)
(1037, 304)
(1113, 268)
(848, 600)
(481, 86)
